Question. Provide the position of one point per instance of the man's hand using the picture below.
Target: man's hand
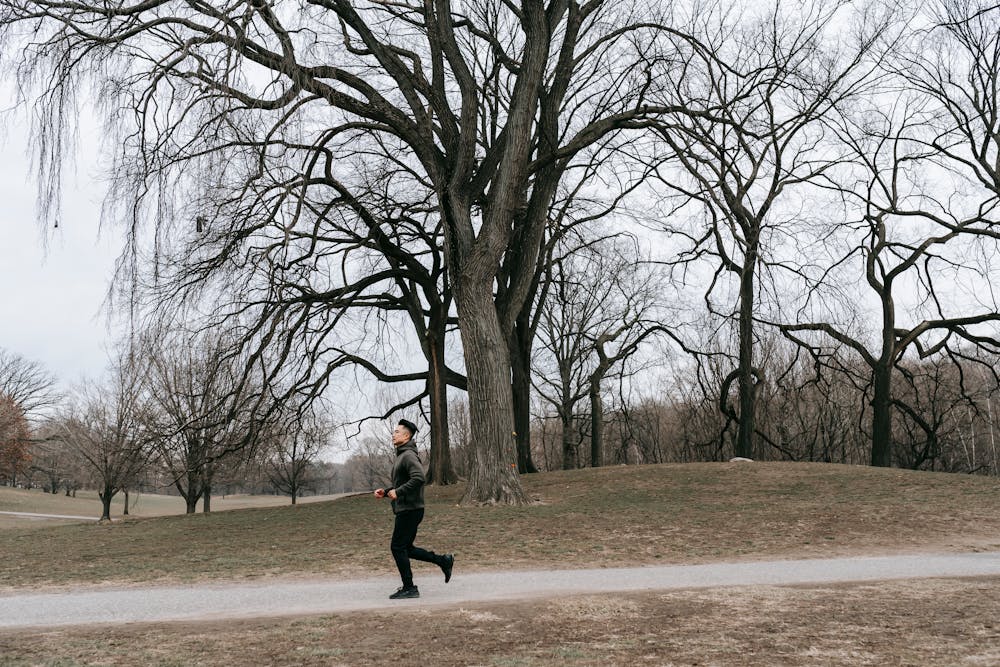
(380, 493)
(392, 494)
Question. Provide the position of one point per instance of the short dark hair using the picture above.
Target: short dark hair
(409, 426)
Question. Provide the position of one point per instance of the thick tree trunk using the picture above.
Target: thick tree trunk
(596, 424)
(441, 470)
(190, 495)
(520, 361)
(493, 474)
(882, 415)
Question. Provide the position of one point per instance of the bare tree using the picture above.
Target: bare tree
(742, 175)
(291, 457)
(600, 310)
(14, 439)
(104, 426)
(562, 382)
(915, 255)
(371, 467)
(27, 383)
(490, 102)
(331, 287)
(203, 410)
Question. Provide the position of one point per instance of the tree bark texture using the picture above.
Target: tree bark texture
(882, 415)
(493, 475)
(882, 369)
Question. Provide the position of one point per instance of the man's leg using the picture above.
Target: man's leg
(446, 561)
(403, 533)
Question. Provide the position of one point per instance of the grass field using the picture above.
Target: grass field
(86, 503)
(589, 518)
(586, 518)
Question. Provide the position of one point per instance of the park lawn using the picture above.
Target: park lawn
(611, 516)
(87, 503)
(675, 513)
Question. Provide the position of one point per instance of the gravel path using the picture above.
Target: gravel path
(285, 597)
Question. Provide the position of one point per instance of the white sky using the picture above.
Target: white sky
(51, 306)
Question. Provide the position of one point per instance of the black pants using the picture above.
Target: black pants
(403, 534)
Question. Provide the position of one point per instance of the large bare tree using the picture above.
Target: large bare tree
(927, 194)
(491, 102)
(774, 76)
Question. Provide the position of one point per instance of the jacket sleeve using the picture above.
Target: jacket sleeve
(415, 474)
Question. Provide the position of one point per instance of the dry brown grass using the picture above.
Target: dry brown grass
(919, 623)
(613, 516)
(588, 518)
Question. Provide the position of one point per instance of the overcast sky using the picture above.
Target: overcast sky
(50, 308)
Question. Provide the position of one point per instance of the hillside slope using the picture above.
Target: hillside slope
(587, 518)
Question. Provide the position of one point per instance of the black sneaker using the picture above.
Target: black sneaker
(447, 565)
(405, 593)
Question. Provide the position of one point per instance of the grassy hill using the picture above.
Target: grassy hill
(586, 518)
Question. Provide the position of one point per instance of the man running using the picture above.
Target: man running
(407, 495)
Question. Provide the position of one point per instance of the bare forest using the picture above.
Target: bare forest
(555, 233)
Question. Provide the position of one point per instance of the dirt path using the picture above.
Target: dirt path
(284, 597)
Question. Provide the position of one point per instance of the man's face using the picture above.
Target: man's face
(400, 435)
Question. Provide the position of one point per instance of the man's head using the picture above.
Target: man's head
(403, 432)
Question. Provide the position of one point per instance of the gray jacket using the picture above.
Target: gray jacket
(407, 479)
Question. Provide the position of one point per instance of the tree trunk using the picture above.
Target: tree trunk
(440, 470)
(207, 476)
(493, 472)
(125, 510)
(882, 414)
(520, 361)
(189, 495)
(106, 495)
(745, 432)
(882, 381)
(596, 424)
(206, 494)
(569, 454)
